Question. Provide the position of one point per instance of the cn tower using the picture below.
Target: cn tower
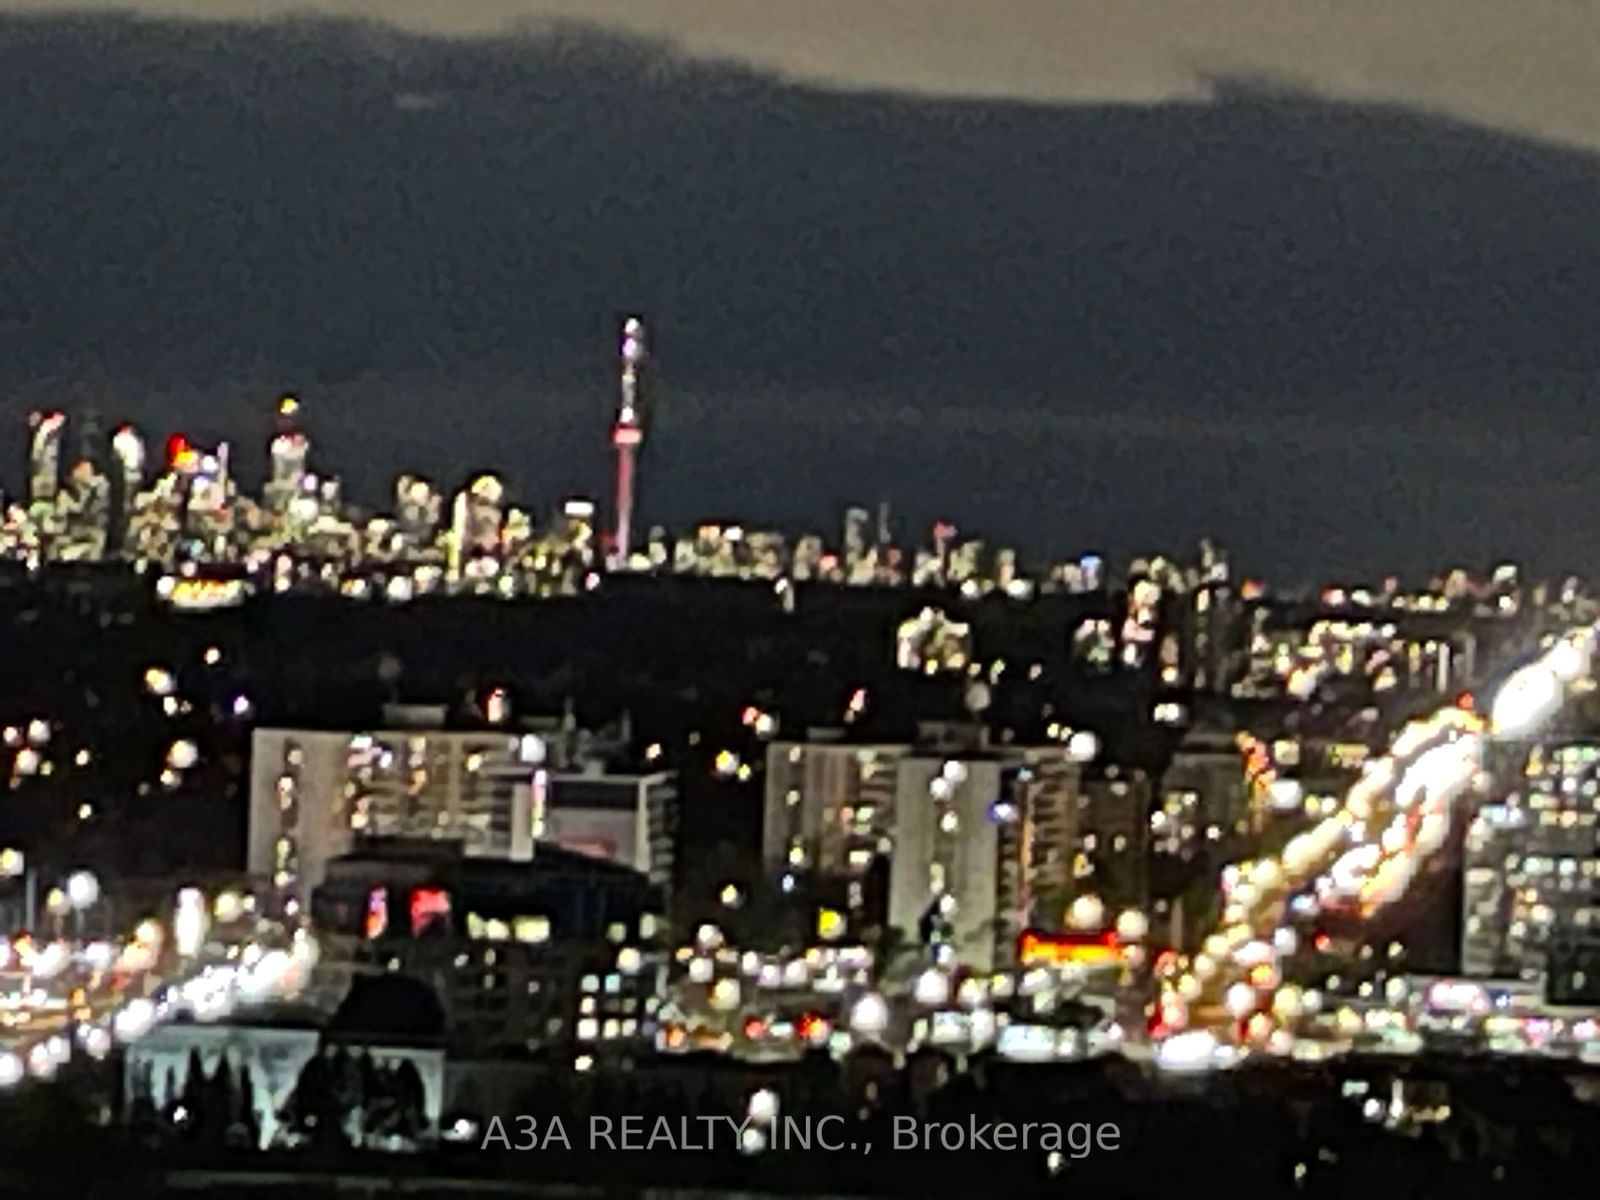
(627, 435)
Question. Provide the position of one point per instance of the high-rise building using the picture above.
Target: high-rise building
(948, 878)
(1110, 841)
(966, 563)
(288, 470)
(417, 506)
(44, 456)
(1531, 872)
(623, 817)
(315, 794)
(476, 526)
(859, 561)
(558, 953)
(84, 505)
(127, 481)
(979, 842)
(829, 806)
(808, 556)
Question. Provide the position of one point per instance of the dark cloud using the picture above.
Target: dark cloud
(1334, 333)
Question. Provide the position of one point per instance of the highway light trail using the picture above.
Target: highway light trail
(1232, 997)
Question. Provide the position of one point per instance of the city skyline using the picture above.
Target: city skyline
(1134, 345)
(907, 575)
(177, 505)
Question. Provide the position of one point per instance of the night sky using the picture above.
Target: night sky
(1345, 324)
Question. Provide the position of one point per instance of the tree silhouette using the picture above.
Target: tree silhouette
(169, 1091)
(313, 1111)
(411, 1100)
(378, 1107)
(185, 1101)
(142, 1116)
(218, 1104)
(247, 1119)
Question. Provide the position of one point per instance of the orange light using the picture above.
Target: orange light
(181, 456)
(1058, 949)
(377, 913)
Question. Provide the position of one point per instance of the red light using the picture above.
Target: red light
(755, 1029)
(181, 455)
(750, 715)
(1322, 942)
(427, 906)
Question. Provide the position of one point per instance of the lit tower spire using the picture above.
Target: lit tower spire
(628, 434)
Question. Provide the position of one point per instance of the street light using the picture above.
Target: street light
(1086, 912)
(870, 1014)
(83, 890)
(1132, 925)
(190, 923)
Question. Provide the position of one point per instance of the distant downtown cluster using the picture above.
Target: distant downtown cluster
(829, 1134)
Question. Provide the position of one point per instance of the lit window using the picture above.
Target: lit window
(430, 909)
(532, 929)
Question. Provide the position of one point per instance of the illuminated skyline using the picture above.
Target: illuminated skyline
(1095, 325)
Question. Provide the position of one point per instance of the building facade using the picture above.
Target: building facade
(316, 794)
(1531, 871)
(558, 954)
(979, 842)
